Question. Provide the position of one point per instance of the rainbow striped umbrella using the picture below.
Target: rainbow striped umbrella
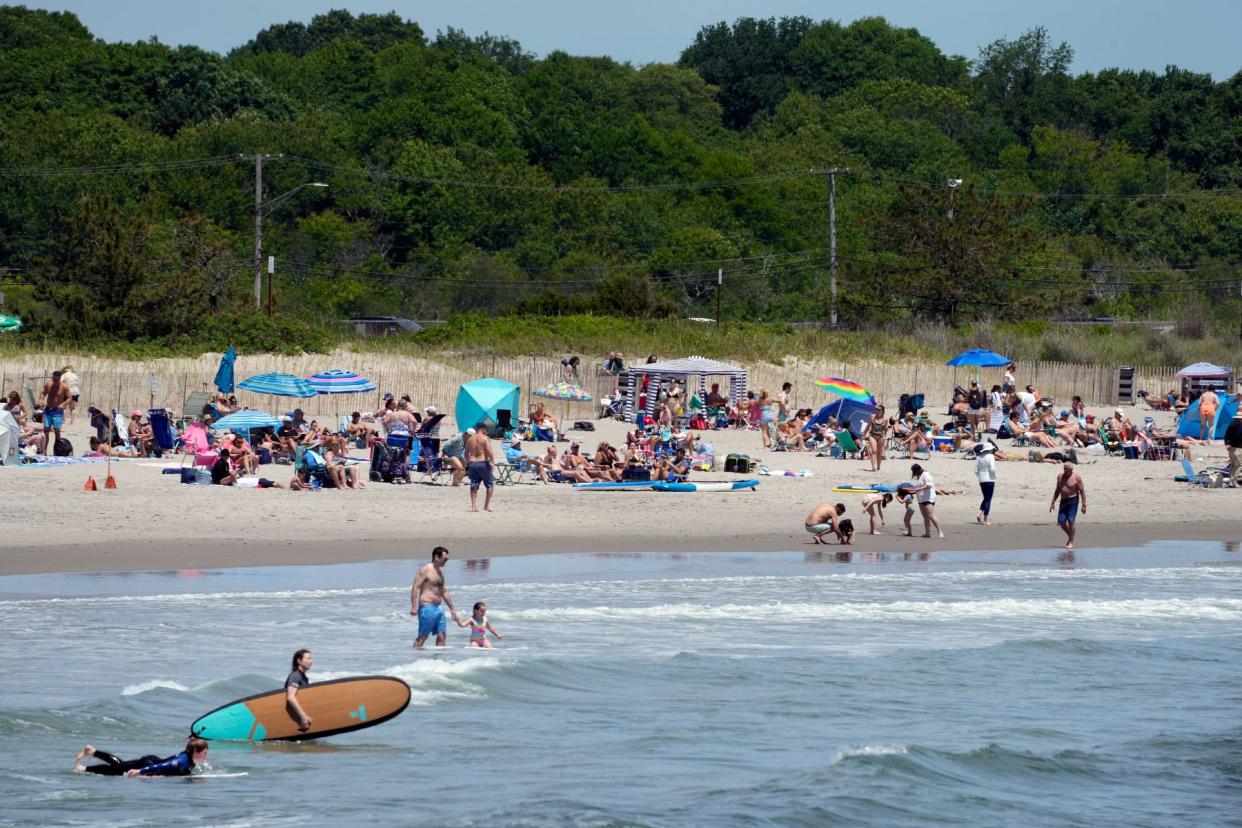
(846, 388)
(340, 381)
(563, 391)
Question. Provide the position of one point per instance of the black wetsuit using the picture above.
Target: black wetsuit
(150, 765)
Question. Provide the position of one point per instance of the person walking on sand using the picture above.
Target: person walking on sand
(427, 597)
(1233, 441)
(985, 471)
(925, 493)
(1072, 492)
(874, 430)
(479, 467)
(1208, 403)
(71, 382)
(302, 661)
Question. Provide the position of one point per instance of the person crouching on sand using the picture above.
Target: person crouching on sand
(822, 521)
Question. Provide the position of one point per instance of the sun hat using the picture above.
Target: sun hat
(469, 432)
(136, 413)
(285, 418)
(432, 410)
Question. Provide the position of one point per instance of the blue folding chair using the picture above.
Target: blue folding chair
(162, 429)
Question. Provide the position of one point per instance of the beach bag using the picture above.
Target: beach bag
(584, 425)
(697, 421)
(63, 448)
(635, 473)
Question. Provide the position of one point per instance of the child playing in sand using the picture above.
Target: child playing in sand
(479, 627)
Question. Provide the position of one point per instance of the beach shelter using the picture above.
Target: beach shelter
(10, 432)
(9, 324)
(1188, 424)
(848, 412)
(692, 371)
(483, 400)
(224, 374)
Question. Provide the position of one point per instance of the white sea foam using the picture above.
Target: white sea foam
(154, 684)
(1157, 609)
(869, 750)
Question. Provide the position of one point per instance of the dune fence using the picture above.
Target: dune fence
(167, 383)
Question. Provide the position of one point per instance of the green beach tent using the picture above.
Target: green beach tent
(483, 400)
(9, 324)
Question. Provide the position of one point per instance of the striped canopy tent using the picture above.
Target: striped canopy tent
(278, 385)
(691, 371)
(340, 381)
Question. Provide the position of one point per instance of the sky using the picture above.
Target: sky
(1201, 35)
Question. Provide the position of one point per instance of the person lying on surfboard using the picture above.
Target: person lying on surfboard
(181, 764)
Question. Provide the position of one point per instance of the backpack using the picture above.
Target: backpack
(63, 448)
(584, 425)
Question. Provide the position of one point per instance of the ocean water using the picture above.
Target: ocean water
(1018, 688)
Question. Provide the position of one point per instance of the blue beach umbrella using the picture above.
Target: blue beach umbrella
(340, 381)
(980, 358)
(278, 384)
(224, 374)
(245, 420)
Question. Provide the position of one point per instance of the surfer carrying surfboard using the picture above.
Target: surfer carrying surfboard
(181, 764)
(302, 661)
(427, 597)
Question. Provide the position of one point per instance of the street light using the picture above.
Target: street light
(262, 208)
(953, 183)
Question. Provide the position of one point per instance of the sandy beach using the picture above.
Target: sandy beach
(151, 521)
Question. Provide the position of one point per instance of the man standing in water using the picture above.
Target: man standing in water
(426, 597)
(1072, 491)
(479, 467)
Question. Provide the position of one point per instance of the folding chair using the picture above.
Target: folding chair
(848, 447)
(430, 463)
(162, 430)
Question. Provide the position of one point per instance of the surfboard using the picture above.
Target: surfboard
(709, 486)
(336, 706)
(611, 486)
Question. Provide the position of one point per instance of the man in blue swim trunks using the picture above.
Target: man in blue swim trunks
(1073, 493)
(54, 396)
(426, 599)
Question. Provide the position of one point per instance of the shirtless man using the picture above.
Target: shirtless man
(823, 521)
(53, 398)
(1072, 491)
(479, 467)
(426, 597)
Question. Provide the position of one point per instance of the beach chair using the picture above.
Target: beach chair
(305, 460)
(1189, 475)
(192, 408)
(1111, 445)
(430, 463)
(848, 447)
(197, 446)
(162, 430)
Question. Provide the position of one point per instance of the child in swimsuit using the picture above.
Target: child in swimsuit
(479, 627)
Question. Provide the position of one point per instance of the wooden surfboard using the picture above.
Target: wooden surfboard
(336, 706)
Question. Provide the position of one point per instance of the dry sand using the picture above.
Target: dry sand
(151, 521)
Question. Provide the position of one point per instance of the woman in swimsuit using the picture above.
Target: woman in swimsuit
(874, 432)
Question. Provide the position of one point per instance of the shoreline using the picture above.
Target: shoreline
(154, 553)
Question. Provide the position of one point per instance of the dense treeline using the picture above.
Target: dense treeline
(468, 175)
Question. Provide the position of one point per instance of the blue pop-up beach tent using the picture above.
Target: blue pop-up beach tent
(483, 399)
(853, 412)
(1188, 425)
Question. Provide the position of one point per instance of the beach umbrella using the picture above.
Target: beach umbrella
(279, 385)
(562, 391)
(1203, 369)
(845, 388)
(566, 391)
(245, 420)
(9, 324)
(340, 381)
(980, 358)
(224, 374)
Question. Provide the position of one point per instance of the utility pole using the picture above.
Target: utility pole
(258, 159)
(832, 237)
(719, 282)
(953, 183)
